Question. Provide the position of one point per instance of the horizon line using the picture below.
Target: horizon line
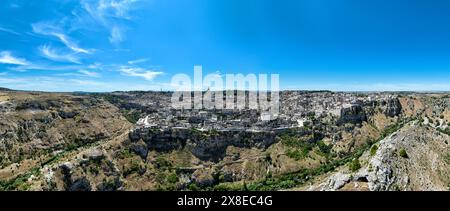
(281, 90)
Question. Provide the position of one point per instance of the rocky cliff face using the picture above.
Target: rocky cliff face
(36, 126)
(393, 107)
(205, 145)
(358, 113)
(414, 158)
(354, 114)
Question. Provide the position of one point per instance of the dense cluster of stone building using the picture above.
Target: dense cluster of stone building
(297, 109)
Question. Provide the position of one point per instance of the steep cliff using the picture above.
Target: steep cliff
(417, 157)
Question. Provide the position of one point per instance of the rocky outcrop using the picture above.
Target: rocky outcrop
(204, 177)
(206, 145)
(38, 123)
(414, 158)
(354, 114)
(393, 107)
(80, 184)
(93, 171)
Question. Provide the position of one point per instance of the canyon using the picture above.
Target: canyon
(321, 140)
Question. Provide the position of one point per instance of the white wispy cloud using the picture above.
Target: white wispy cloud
(116, 35)
(7, 58)
(107, 13)
(45, 83)
(87, 82)
(95, 66)
(63, 84)
(89, 73)
(138, 61)
(55, 55)
(79, 74)
(10, 81)
(48, 29)
(10, 31)
(140, 72)
(103, 9)
(43, 66)
(70, 44)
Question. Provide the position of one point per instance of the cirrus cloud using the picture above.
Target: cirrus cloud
(55, 55)
(106, 13)
(140, 72)
(7, 58)
(49, 29)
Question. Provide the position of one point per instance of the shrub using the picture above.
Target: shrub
(193, 187)
(355, 165)
(162, 163)
(373, 150)
(325, 149)
(131, 116)
(172, 178)
(297, 154)
(134, 167)
(403, 153)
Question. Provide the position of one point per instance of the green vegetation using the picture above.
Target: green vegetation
(94, 170)
(134, 167)
(20, 182)
(112, 98)
(109, 184)
(391, 129)
(323, 148)
(296, 141)
(126, 153)
(172, 178)
(445, 131)
(373, 150)
(131, 116)
(370, 168)
(204, 134)
(167, 181)
(295, 179)
(162, 163)
(193, 187)
(403, 153)
(299, 147)
(297, 154)
(355, 165)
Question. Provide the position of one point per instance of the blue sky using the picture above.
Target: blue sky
(106, 45)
